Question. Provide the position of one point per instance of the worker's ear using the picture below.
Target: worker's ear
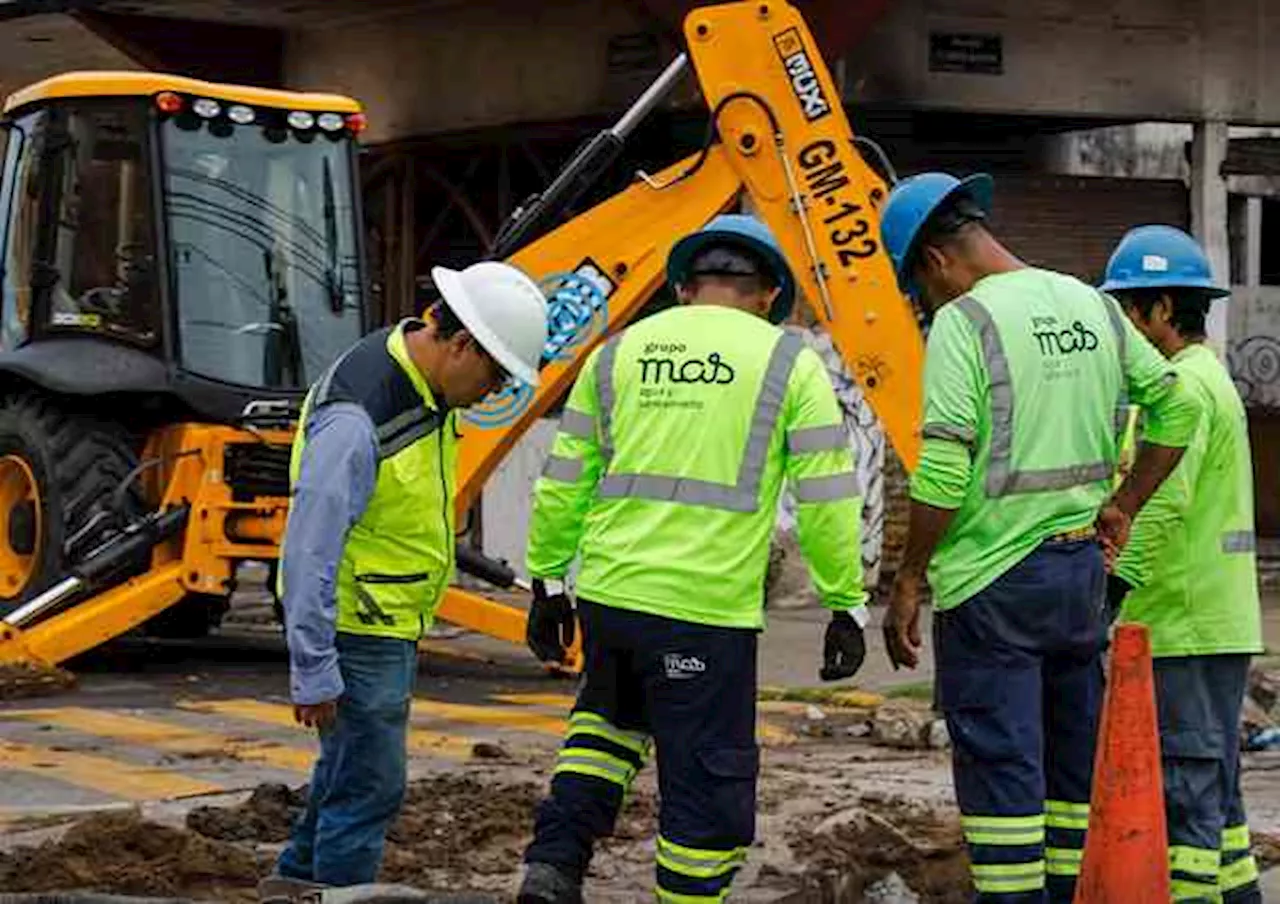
(1163, 310)
(684, 294)
(770, 296)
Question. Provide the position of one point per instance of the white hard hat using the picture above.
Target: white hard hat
(503, 309)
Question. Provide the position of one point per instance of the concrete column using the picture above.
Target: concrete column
(1209, 215)
(1253, 242)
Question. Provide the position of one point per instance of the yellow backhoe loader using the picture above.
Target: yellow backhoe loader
(180, 259)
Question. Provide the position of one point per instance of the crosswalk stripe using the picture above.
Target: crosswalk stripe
(421, 741)
(497, 716)
(558, 701)
(168, 736)
(116, 778)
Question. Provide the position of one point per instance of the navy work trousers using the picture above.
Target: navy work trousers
(358, 783)
(1020, 681)
(1199, 700)
(688, 689)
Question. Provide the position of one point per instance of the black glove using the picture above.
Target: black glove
(1117, 589)
(549, 632)
(843, 648)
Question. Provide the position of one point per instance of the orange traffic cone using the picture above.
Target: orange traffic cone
(1126, 854)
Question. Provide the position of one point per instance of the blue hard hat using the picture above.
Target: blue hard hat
(910, 204)
(1160, 257)
(746, 232)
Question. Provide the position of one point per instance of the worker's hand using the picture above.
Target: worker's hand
(316, 715)
(549, 633)
(902, 622)
(1113, 533)
(843, 648)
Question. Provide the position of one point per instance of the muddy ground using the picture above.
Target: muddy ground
(824, 836)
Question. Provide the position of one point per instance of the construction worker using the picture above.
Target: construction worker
(369, 548)
(664, 477)
(1190, 572)
(1025, 370)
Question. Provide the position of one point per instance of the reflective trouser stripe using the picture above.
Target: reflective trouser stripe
(565, 470)
(1194, 873)
(1063, 861)
(1002, 480)
(817, 439)
(1007, 878)
(1003, 830)
(588, 723)
(1061, 814)
(697, 863)
(1242, 872)
(1239, 541)
(671, 897)
(740, 496)
(575, 423)
(1235, 838)
(596, 763)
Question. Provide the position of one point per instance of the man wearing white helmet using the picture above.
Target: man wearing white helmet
(369, 548)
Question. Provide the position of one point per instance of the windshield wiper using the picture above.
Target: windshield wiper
(283, 345)
(333, 272)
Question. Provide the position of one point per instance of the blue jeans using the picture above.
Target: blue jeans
(359, 780)
(1020, 681)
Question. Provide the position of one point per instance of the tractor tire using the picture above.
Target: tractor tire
(58, 473)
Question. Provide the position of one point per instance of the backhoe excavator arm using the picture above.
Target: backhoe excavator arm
(786, 144)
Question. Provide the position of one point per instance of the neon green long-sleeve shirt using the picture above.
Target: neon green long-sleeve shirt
(670, 456)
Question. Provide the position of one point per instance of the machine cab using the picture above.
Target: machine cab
(163, 235)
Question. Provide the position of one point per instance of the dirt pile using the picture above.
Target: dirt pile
(120, 853)
(268, 815)
(21, 679)
(857, 847)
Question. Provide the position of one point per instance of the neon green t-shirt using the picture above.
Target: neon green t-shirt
(1191, 554)
(1027, 382)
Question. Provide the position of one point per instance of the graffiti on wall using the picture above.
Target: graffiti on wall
(1255, 366)
(867, 440)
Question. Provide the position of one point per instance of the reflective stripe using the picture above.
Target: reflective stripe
(1003, 830)
(1061, 814)
(595, 763)
(697, 863)
(827, 489)
(817, 439)
(742, 496)
(1003, 878)
(964, 435)
(565, 470)
(1239, 541)
(575, 423)
(1190, 890)
(1197, 861)
(1235, 838)
(605, 396)
(1002, 480)
(1063, 861)
(1240, 873)
(592, 724)
(671, 897)
(403, 430)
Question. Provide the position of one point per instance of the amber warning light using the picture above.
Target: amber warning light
(168, 102)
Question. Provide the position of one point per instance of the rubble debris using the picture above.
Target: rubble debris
(24, 679)
(268, 815)
(485, 750)
(1264, 690)
(890, 890)
(120, 853)
(1266, 850)
(853, 849)
(902, 724)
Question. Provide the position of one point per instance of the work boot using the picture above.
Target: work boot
(278, 889)
(545, 883)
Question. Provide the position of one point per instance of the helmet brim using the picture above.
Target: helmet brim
(685, 250)
(459, 300)
(1204, 288)
(980, 187)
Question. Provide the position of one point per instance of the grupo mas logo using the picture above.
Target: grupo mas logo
(577, 311)
(659, 366)
(1055, 341)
